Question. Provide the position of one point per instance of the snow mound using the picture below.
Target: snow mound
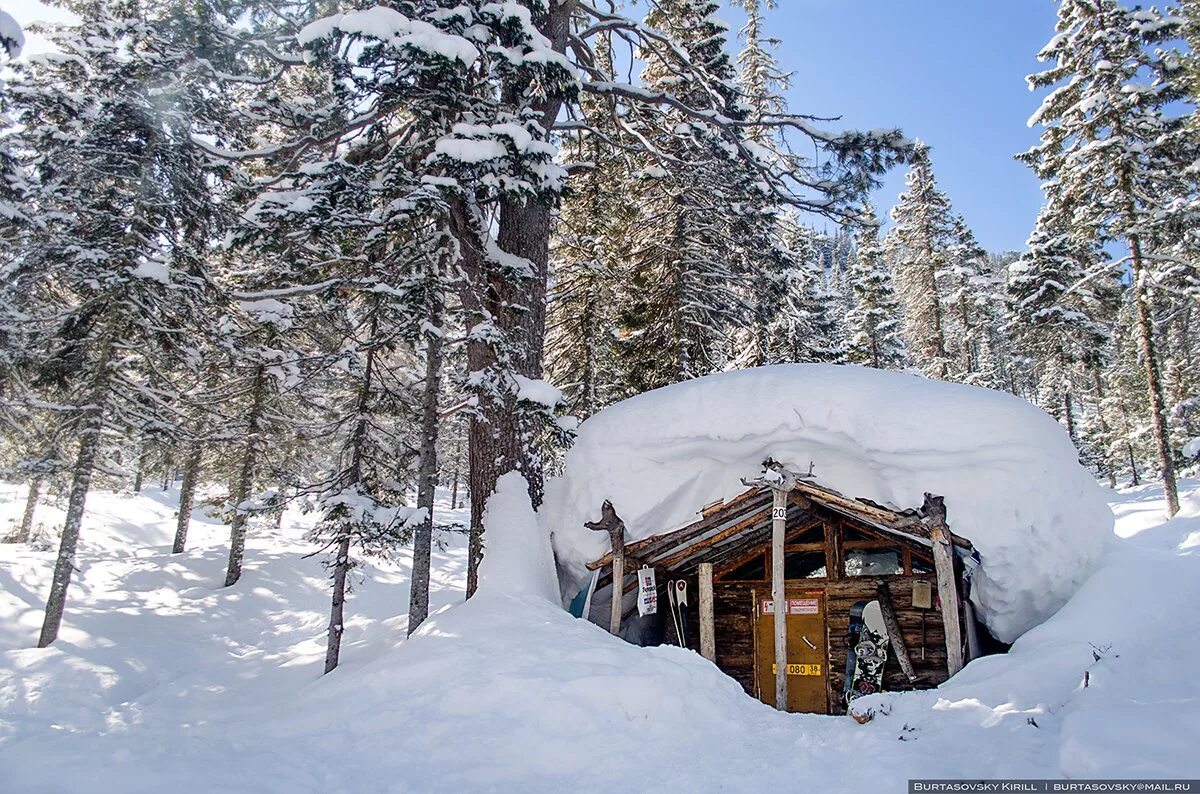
(1009, 473)
(517, 557)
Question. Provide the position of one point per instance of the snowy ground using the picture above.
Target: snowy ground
(164, 681)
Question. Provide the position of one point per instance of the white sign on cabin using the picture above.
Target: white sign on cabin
(795, 606)
(647, 592)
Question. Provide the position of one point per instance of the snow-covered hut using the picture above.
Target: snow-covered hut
(962, 510)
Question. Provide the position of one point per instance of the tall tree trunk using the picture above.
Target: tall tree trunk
(187, 496)
(1158, 408)
(245, 483)
(168, 470)
(418, 599)
(341, 563)
(500, 441)
(341, 567)
(25, 528)
(1098, 388)
(139, 475)
(456, 474)
(1068, 403)
(81, 481)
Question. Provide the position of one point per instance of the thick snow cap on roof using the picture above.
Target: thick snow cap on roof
(1009, 473)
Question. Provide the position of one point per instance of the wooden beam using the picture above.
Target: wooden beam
(943, 564)
(741, 526)
(611, 523)
(708, 636)
(893, 629)
(781, 482)
(778, 594)
(648, 547)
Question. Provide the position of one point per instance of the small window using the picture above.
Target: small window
(921, 566)
(753, 570)
(804, 565)
(873, 562)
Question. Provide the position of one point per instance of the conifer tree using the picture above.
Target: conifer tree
(113, 284)
(918, 247)
(874, 323)
(1113, 153)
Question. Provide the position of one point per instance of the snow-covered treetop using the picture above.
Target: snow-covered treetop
(12, 38)
(1010, 475)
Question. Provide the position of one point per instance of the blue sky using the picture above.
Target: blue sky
(951, 72)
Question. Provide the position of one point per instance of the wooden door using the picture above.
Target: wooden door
(808, 671)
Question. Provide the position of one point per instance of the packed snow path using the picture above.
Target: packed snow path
(164, 681)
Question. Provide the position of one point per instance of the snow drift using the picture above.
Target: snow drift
(1009, 473)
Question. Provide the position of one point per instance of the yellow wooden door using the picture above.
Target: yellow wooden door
(807, 662)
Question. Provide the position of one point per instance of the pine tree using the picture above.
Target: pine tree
(1111, 150)
(918, 247)
(874, 323)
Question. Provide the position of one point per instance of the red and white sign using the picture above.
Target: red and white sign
(795, 606)
(803, 606)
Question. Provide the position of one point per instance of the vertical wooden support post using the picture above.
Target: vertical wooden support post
(778, 594)
(781, 482)
(943, 563)
(973, 649)
(612, 524)
(708, 636)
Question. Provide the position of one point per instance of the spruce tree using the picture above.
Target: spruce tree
(874, 323)
(113, 284)
(1113, 152)
(918, 247)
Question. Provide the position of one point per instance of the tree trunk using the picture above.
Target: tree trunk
(139, 475)
(1158, 408)
(1098, 387)
(81, 480)
(245, 483)
(341, 564)
(1069, 412)
(456, 474)
(499, 440)
(187, 496)
(25, 529)
(341, 567)
(168, 471)
(418, 600)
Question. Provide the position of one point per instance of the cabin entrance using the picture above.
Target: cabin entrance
(807, 657)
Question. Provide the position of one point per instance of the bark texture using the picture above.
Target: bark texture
(81, 481)
(187, 497)
(245, 483)
(418, 603)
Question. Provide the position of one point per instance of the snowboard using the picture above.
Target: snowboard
(868, 651)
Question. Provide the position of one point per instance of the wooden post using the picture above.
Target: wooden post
(943, 563)
(973, 649)
(893, 629)
(611, 523)
(781, 482)
(778, 593)
(708, 637)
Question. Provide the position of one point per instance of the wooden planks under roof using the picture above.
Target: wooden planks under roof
(725, 527)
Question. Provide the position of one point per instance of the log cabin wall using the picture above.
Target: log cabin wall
(840, 597)
(733, 616)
